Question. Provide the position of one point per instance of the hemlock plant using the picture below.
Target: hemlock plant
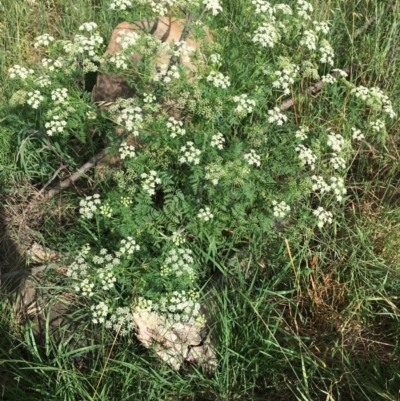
(213, 162)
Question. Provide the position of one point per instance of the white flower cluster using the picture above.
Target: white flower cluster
(120, 61)
(183, 50)
(109, 260)
(148, 98)
(302, 132)
(267, 35)
(214, 172)
(217, 141)
(190, 154)
(306, 156)
(357, 135)
(175, 127)
(59, 95)
(82, 45)
(121, 321)
(34, 99)
(89, 205)
(99, 312)
(180, 307)
(323, 216)
(215, 58)
(167, 74)
(374, 97)
(245, 105)
(213, 6)
(319, 184)
(177, 307)
(338, 188)
(335, 141)
(219, 80)
(128, 115)
(327, 53)
(328, 79)
(120, 5)
(332, 78)
(86, 287)
(276, 116)
(127, 38)
(43, 81)
(17, 71)
(79, 267)
(263, 7)
(377, 125)
(285, 78)
(252, 158)
(281, 209)
(43, 40)
(88, 26)
(150, 181)
(304, 9)
(126, 151)
(53, 65)
(55, 126)
(107, 278)
(205, 214)
(128, 247)
(283, 8)
(178, 262)
(309, 40)
(321, 27)
(337, 161)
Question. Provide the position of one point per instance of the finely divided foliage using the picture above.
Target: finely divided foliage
(211, 160)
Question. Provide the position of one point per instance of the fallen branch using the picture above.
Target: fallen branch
(78, 174)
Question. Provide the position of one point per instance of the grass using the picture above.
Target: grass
(317, 320)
